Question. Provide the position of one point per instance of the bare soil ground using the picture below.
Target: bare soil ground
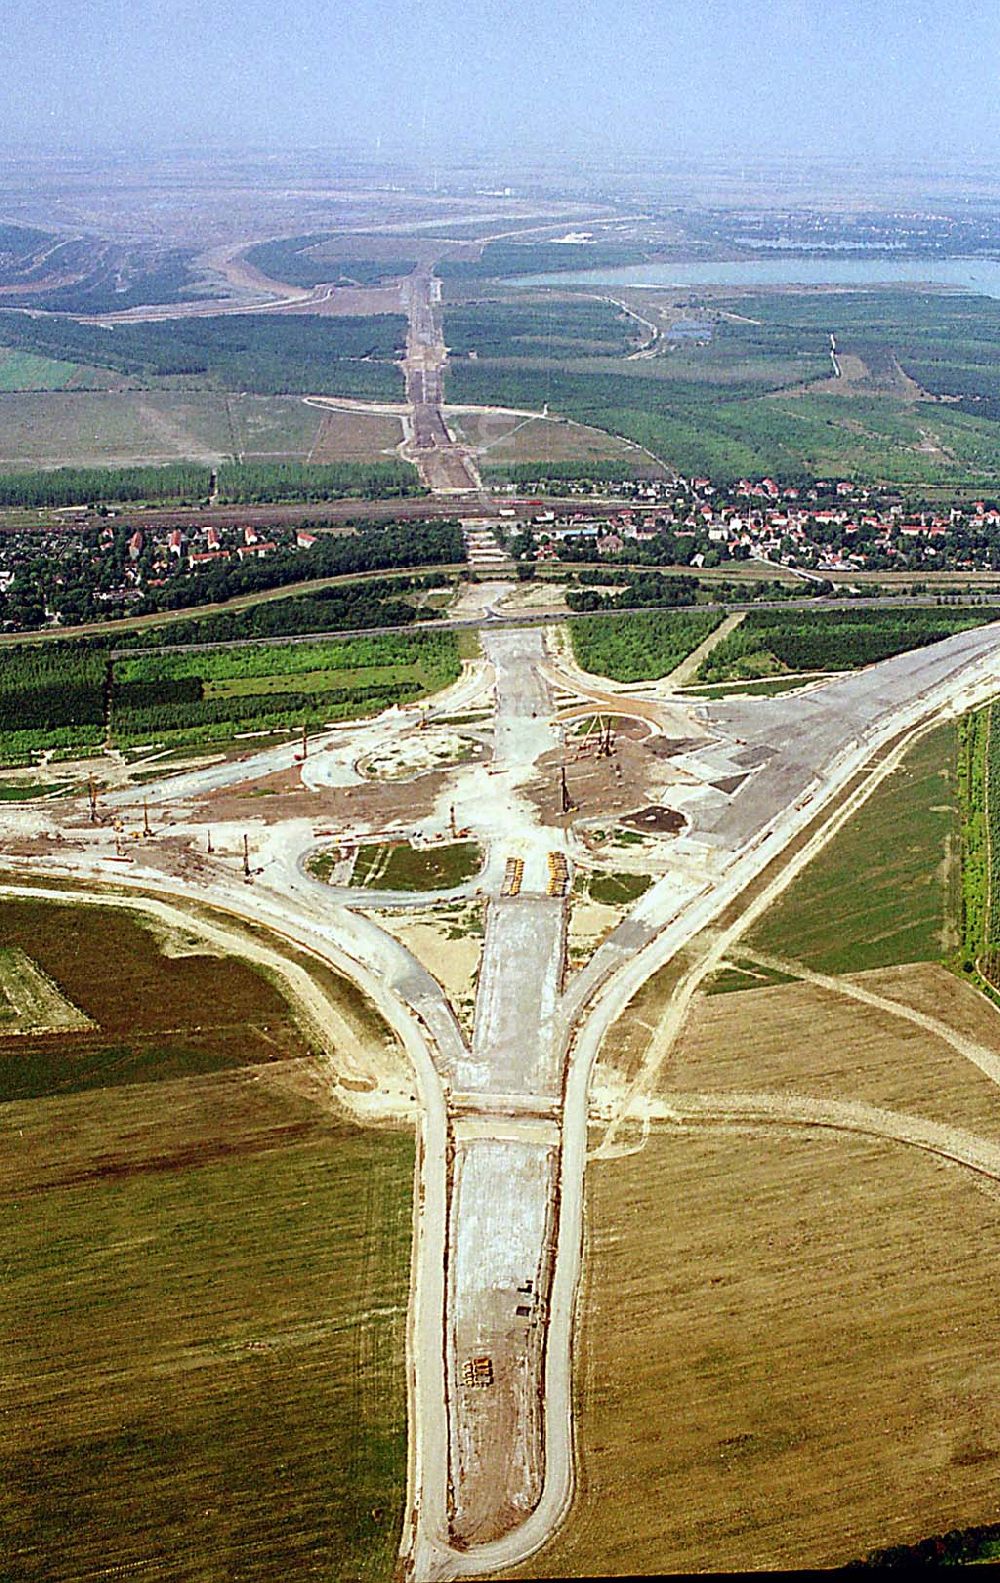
(535, 596)
(608, 786)
(802, 1039)
(500, 437)
(448, 940)
(347, 301)
(589, 923)
(355, 437)
(624, 1048)
(273, 798)
(789, 1356)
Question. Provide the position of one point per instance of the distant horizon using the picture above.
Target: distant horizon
(892, 80)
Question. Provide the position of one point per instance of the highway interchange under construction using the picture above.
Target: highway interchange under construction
(503, 1114)
(748, 789)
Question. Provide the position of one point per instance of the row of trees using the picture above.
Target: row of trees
(819, 640)
(638, 588)
(79, 486)
(257, 482)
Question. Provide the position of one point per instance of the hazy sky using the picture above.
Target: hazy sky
(863, 78)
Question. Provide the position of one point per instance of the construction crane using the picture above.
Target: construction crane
(92, 798)
(246, 857)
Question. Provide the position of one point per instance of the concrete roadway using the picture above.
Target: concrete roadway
(498, 1213)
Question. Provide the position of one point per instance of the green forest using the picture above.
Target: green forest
(741, 405)
(71, 486)
(213, 696)
(75, 696)
(549, 328)
(299, 261)
(51, 697)
(267, 353)
(770, 642)
(248, 483)
(642, 647)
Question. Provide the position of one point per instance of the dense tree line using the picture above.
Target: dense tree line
(352, 607)
(250, 483)
(270, 354)
(539, 475)
(60, 684)
(77, 486)
(769, 641)
(958, 1547)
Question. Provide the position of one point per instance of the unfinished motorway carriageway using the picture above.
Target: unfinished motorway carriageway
(503, 1100)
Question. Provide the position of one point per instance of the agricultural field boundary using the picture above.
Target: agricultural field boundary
(719, 940)
(954, 1144)
(987, 1061)
(34, 1004)
(356, 1075)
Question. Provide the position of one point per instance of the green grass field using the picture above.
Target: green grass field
(111, 428)
(203, 1339)
(618, 890)
(30, 371)
(885, 889)
(404, 867)
(52, 426)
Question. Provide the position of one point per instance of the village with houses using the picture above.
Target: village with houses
(824, 527)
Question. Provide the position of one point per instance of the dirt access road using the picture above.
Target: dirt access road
(504, 1115)
(446, 467)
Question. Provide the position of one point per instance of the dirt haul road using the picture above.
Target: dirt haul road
(446, 467)
(503, 1128)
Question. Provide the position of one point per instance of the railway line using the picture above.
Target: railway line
(504, 1112)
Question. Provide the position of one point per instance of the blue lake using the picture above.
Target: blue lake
(980, 275)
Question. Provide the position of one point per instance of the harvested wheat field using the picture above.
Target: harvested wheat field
(202, 1333)
(789, 1354)
(816, 1040)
